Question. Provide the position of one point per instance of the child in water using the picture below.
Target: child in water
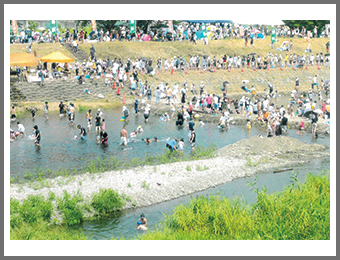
(302, 128)
(248, 124)
(181, 145)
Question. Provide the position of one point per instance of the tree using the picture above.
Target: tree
(33, 25)
(308, 24)
(107, 25)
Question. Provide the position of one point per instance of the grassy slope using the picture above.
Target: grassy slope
(282, 80)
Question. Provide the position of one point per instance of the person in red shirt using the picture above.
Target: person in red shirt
(190, 109)
(209, 102)
(81, 36)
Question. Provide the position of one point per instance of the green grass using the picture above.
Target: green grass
(299, 212)
(69, 206)
(107, 201)
(44, 231)
(33, 218)
(188, 168)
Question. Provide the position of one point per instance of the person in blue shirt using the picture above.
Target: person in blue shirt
(171, 144)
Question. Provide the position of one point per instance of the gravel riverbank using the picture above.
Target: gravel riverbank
(154, 184)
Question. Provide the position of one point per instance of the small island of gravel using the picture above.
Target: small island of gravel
(154, 184)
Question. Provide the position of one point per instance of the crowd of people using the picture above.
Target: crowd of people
(182, 32)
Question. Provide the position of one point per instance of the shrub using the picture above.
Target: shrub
(33, 208)
(72, 213)
(107, 201)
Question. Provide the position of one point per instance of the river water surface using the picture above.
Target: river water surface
(59, 150)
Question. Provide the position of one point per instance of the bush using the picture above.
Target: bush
(72, 214)
(35, 207)
(107, 201)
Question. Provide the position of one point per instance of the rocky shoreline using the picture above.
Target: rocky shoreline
(149, 185)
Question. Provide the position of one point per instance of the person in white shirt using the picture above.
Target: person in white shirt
(21, 129)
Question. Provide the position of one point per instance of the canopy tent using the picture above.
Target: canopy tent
(56, 57)
(208, 21)
(122, 24)
(23, 59)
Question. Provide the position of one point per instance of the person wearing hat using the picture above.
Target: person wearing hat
(126, 113)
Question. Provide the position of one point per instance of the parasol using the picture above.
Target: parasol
(149, 69)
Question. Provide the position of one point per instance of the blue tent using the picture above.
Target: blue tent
(208, 21)
(258, 35)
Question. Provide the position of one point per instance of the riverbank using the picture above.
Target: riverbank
(154, 184)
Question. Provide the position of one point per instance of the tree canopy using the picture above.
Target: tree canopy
(308, 24)
(109, 25)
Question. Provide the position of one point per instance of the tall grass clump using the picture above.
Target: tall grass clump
(107, 201)
(44, 231)
(299, 212)
(69, 206)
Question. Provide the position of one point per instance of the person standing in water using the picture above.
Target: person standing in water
(123, 136)
(37, 135)
(13, 113)
(61, 108)
(97, 121)
(72, 114)
(46, 110)
(193, 140)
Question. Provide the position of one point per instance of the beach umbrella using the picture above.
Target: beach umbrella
(244, 56)
(149, 69)
(144, 59)
(253, 53)
(327, 54)
(226, 82)
(109, 75)
(245, 81)
(146, 37)
(327, 82)
(316, 112)
(205, 56)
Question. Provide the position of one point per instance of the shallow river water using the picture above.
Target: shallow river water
(58, 149)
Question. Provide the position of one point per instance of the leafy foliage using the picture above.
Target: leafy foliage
(72, 214)
(308, 24)
(300, 212)
(107, 201)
